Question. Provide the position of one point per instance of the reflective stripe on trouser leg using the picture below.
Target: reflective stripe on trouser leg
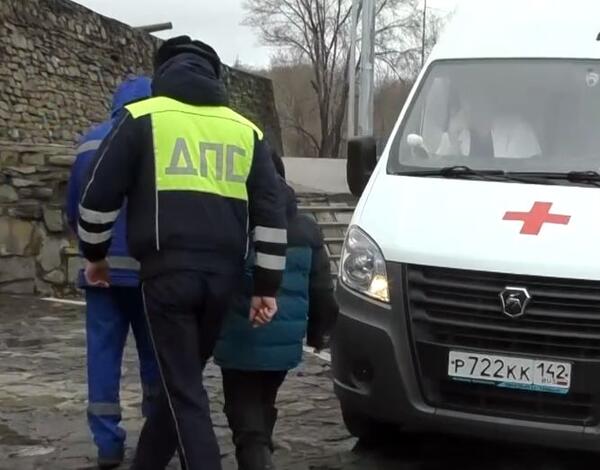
(164, 382)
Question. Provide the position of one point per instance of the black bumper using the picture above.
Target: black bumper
(375, 374)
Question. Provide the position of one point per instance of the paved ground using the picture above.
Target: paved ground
(42, 417)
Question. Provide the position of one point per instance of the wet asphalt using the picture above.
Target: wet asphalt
(442, 452)
(43, 400)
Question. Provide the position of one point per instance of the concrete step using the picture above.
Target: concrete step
(326, 208)
(333, 223)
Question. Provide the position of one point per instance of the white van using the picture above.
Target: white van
(469, 284)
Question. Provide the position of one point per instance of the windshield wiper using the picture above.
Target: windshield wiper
(452, 172)
(462, 171)
(590, 176)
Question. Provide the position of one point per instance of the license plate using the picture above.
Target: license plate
(510, 372)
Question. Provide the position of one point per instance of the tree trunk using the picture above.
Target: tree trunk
(339, 121)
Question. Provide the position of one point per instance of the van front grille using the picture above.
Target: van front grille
(451, 309)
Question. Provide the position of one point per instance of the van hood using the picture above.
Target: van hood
(485, 226)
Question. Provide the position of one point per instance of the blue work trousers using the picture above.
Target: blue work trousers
(110, 313)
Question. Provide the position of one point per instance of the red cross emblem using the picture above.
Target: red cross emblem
(534, 220)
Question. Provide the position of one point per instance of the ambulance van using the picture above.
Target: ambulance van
(469, 281)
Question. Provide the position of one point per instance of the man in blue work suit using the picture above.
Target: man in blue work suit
(111, 310)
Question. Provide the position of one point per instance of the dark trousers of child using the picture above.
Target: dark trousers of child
(250, 409)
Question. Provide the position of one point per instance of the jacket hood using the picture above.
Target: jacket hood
(133, 89)
(191, 79)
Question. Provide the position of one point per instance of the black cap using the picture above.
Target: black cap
(185, 44)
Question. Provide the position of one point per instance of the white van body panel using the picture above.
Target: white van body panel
(459, 224)
(472, 223)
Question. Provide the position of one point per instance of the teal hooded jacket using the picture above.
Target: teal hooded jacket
(306, 306)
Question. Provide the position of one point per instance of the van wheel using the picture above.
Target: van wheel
(366, 428)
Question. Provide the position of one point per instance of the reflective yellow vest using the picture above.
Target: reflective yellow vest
(207, 149)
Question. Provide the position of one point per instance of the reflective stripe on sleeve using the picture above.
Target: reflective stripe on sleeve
(97, 217)
(104, 409)
(93, 238)
(89, 146)
(276, 263)
(270, 235)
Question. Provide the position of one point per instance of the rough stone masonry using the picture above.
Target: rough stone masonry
(59, 63)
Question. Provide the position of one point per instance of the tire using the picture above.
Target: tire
(365, 428)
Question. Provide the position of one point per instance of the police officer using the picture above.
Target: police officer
(198, 178)
(110, 312)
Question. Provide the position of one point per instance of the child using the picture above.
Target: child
(255, 360)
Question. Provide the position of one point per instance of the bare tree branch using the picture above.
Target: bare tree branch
(317, 32)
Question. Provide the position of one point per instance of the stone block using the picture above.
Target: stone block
(56, 277)
(19, 287)
(25, 183)
(19, 41)
(54, 220)
(8, 194)
(16, 237)
(72, 249)
(74, 265)
(50, 257)
(43, 288)
(62, 160)
(16, 268)
(8, 158)
(21, 170)
(33, 159)
(30, 210)
(37, 193)
(54, 176)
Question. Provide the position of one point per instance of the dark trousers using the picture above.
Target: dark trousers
(250, 409)
(184, 312)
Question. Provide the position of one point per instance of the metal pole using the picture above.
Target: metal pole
(367, 70)
(424, 33)
(356, 4)
(155, 28)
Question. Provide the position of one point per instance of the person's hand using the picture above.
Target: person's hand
(97, 274)
(262, 310)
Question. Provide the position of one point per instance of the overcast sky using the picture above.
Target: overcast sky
(218, 24)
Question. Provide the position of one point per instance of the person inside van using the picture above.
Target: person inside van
(474, 130)
(255, 360)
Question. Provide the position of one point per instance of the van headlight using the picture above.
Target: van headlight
(362, 266)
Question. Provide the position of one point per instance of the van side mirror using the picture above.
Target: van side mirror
(362, 159)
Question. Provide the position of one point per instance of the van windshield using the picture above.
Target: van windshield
(508, 115)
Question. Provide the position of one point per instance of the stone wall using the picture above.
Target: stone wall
(59, 63)
(34, 240)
